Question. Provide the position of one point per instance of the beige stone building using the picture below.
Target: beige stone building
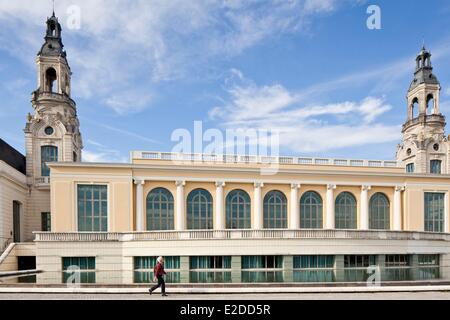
(216, 218)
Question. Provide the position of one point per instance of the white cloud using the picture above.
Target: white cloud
(305, 128)
(120, 42)
(128, 102)
(99, 153)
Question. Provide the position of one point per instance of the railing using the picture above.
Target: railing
(53, 95)
(220, 158)
(4, 243)
(243, 234)
(424, 118)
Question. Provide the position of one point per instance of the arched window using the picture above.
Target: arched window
(50, 78)
(430, 103)
(199, 210)
(160, 210)
(48, 154)
(345, 211)
(414, 108)
(379, 215)
(238, 210)
(275, 210)
(311, 211)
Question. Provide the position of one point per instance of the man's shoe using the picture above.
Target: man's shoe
(150, 291)
(164, 295)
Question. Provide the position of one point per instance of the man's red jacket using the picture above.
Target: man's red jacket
(159, 270)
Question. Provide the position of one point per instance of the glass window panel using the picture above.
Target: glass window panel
(160, 214)
(92, 214)
(275, 210)
(199, 209)
(434, 211)
(379, 212)
(311, 211)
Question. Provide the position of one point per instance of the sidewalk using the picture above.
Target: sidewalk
(224, 290)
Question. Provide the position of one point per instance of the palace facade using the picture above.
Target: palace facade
(216, 218)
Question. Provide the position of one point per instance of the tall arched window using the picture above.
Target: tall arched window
(199, 210)
(238, 210)
(379, 215)
(160, 210)
(430, 103)
(414, 108)
(311, 211)
(50, 77)
(48, 154)
(345, 211)
(275, 210)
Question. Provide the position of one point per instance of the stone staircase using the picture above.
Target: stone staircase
(8, 259)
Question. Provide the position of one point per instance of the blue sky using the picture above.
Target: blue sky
(309, 68)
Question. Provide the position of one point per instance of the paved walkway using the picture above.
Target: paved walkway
(280, 296)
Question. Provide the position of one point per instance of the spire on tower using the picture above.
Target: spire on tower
(53, 45)
(424, 69)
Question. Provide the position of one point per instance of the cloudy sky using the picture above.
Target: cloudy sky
(310, 69)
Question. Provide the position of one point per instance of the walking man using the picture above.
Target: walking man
(159, 273)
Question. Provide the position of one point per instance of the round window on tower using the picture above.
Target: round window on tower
(49, 131)
(436, 147)
(408, 152)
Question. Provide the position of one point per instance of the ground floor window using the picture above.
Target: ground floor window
(262, 268)
(78, 270)
(397, 268)
(314, 268)
(428, 267)
(355, 267)
(210, 269)
(144, 266)
(359, 261)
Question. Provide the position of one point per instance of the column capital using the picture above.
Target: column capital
(180, 183)
(139, 182)
(259, 184)
(399, 188)
(296, 185)
(331, 186)
(220, 184)
(366, 187)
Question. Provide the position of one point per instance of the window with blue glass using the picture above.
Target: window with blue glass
(311, 211)
(92, 208)
(345, 211)
(313, 262)
(199, 210)
(48, 154)
(410, 168)
(435, 166)
(379, 212)
(160, 214)
(80, 269)
(262, 262)
(275, 210)
(434, 211)
(238, 214)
